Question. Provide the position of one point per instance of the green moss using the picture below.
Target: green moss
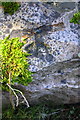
(76, 18)
(10, 7)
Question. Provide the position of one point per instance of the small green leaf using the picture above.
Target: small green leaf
(14, 60)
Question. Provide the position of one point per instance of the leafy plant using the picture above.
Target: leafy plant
(76, 18)
(10, 7)
(13, 63)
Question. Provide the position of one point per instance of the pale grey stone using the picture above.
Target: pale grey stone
(54, 53)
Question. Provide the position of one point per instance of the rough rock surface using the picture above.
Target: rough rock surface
(57, 83)
(54, 51)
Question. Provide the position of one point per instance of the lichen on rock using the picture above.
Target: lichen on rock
(54, 50)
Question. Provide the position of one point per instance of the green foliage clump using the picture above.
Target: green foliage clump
(13, 62)
(76, 18)
(10, 7)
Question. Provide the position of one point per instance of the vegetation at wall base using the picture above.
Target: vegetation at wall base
(44, 112)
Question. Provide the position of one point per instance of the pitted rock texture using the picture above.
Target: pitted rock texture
(56, 47)
(54, 51)
(50, 44)
(56, 84)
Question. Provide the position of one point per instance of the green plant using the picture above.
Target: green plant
(76, 18)
(43, 112)
(14, 64)
(10, 7)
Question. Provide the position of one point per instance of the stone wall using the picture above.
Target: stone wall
(54, 44)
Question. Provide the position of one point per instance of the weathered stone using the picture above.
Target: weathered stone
(58, 83)
(54, 52)
(9, 25)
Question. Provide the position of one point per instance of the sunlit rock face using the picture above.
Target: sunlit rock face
(54, 48)
(58, 83)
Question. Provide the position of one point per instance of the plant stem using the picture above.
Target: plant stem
(17, 98)
(10, 92)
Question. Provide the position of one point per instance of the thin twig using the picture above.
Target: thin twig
(53, 113)
(17, 100)
(23, 97)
